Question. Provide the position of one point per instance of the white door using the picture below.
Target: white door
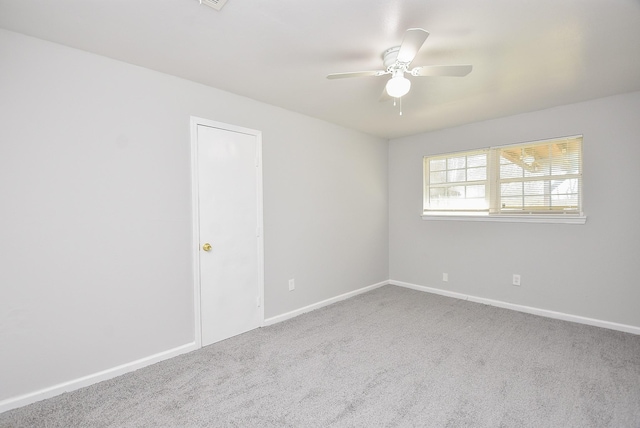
(230, 220)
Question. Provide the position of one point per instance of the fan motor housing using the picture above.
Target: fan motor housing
(390, 56)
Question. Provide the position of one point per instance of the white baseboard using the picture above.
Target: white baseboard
(295, 313)
(72, 385)
(520, 308)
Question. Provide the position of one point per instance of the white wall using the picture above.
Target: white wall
(95, 247)
(589, 270)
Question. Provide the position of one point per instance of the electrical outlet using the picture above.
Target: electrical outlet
(445, 277)
(516, 279)
(292, 284)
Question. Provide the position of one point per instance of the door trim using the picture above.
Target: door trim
(195, 206)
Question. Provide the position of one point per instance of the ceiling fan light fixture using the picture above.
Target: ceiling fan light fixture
(398, 86)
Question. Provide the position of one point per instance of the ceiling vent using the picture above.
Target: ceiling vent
(216, 4)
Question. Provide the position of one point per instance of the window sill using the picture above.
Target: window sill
(520, 218)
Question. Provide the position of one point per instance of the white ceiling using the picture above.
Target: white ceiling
(527, 54)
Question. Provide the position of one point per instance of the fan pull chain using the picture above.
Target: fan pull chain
(398, 102)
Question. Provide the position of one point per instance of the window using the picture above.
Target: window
(457, 182)
(541, 180)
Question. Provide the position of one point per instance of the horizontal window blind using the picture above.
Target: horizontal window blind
(541, 177)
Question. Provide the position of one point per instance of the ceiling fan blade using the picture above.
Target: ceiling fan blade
(442, 70)
(411, 44)
(356, 74)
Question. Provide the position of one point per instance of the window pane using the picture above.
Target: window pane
(457, 162)
(449, 177)
(566, 158)
(512, 155)
(560, 166)
(565, 193)
(437, 192)
(537, 169)
(565, 201)
(544, 160)
(437, 164)
(476, 160)
(565, 165)
(511, 189)
(455, 192)
(570, 185)
(438, 177)
(475, 174)
(447, 197)
(510, 170)
(456, 175)
(536, 187)
(535, 201)
(477, 191)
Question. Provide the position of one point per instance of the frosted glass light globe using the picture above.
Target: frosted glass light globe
(398, 86)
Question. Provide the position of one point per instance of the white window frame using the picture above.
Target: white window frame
(481, 206)
(492, 213)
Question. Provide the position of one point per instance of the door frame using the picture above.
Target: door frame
(195, 122)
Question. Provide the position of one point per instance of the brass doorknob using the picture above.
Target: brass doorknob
(206, 247)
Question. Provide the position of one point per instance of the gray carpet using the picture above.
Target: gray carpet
(392, 357)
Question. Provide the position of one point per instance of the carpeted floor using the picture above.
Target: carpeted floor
(392, 357)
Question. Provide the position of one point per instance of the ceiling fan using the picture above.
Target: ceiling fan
(396, 61)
